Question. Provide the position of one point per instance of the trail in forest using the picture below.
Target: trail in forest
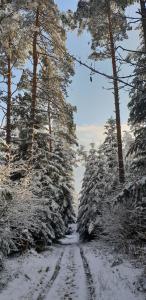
(71, 271)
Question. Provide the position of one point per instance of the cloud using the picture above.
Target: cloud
(93, 133)
(88, 134)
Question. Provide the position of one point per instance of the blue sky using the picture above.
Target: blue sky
(67, 4)
(94, 103)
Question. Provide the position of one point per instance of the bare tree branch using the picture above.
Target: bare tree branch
(102, 73)
(129, 50)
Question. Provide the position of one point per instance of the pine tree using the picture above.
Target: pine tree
(127, 143)
(40, 173)
(92, 193)
(63, 159)
(100, 186)
(143, 15)
(3, 148)
(47, 44)
(137, 118)
(106, 28)
(13, 52)
(110, 150)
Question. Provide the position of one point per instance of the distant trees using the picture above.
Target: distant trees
(91, 195)
(109, 150)
(122, 207)
(99, 183)
(106, 210)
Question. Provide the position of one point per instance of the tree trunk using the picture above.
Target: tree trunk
(34, 86)
(117, 104)
(143, 14)
(9, 100)
(45, 79)
(50, 127)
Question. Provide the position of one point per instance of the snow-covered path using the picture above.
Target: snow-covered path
(70, 271)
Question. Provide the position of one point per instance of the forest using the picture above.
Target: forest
(39, 149)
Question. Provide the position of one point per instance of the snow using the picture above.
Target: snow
(112, 281)
(71, 271)
(70, 238)
(71, 281)
(28, 273)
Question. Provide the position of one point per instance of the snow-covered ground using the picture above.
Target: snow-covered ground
(71, 271)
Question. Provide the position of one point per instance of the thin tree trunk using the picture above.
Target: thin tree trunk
(9, 100)
(143, 14)
(117, 104)
(45, 80)
(50, 128)
(34, 86)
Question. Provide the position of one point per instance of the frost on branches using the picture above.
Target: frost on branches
(38, 132)
(107, 209)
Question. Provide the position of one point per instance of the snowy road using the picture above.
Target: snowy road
(70, 271)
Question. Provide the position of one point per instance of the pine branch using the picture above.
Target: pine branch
(15, 91)
(134, 22)
(123, 60)
(129, 50)
(102, 73)
(3, 108)
(2, 121)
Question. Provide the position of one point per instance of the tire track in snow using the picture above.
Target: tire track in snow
(89, 278)
(71, 282)
(47, 287)
(69, 287)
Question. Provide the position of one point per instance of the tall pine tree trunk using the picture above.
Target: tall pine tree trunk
(50, 127)
(46, 80)
(9, 99)
(143, 14)
(34, 86)
(117, 104)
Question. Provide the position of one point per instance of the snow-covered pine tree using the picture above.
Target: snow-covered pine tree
(51, 174)
(41, 118)
(106, 28)
(83, 200)
(13, 52)
(137, 117)
(100, 186)
(64, 153)
(62, 162)
(47, 40)
(92, 195)
(3, 148)
(127, 142)
(110, 150)
(53, 121)
(141, 12)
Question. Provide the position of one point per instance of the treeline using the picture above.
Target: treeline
(108, 209)
(112, 201)
(37, 134)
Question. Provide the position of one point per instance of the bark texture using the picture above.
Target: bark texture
(34, 85)
(143, 14)
(117, 100)
(9, 100)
